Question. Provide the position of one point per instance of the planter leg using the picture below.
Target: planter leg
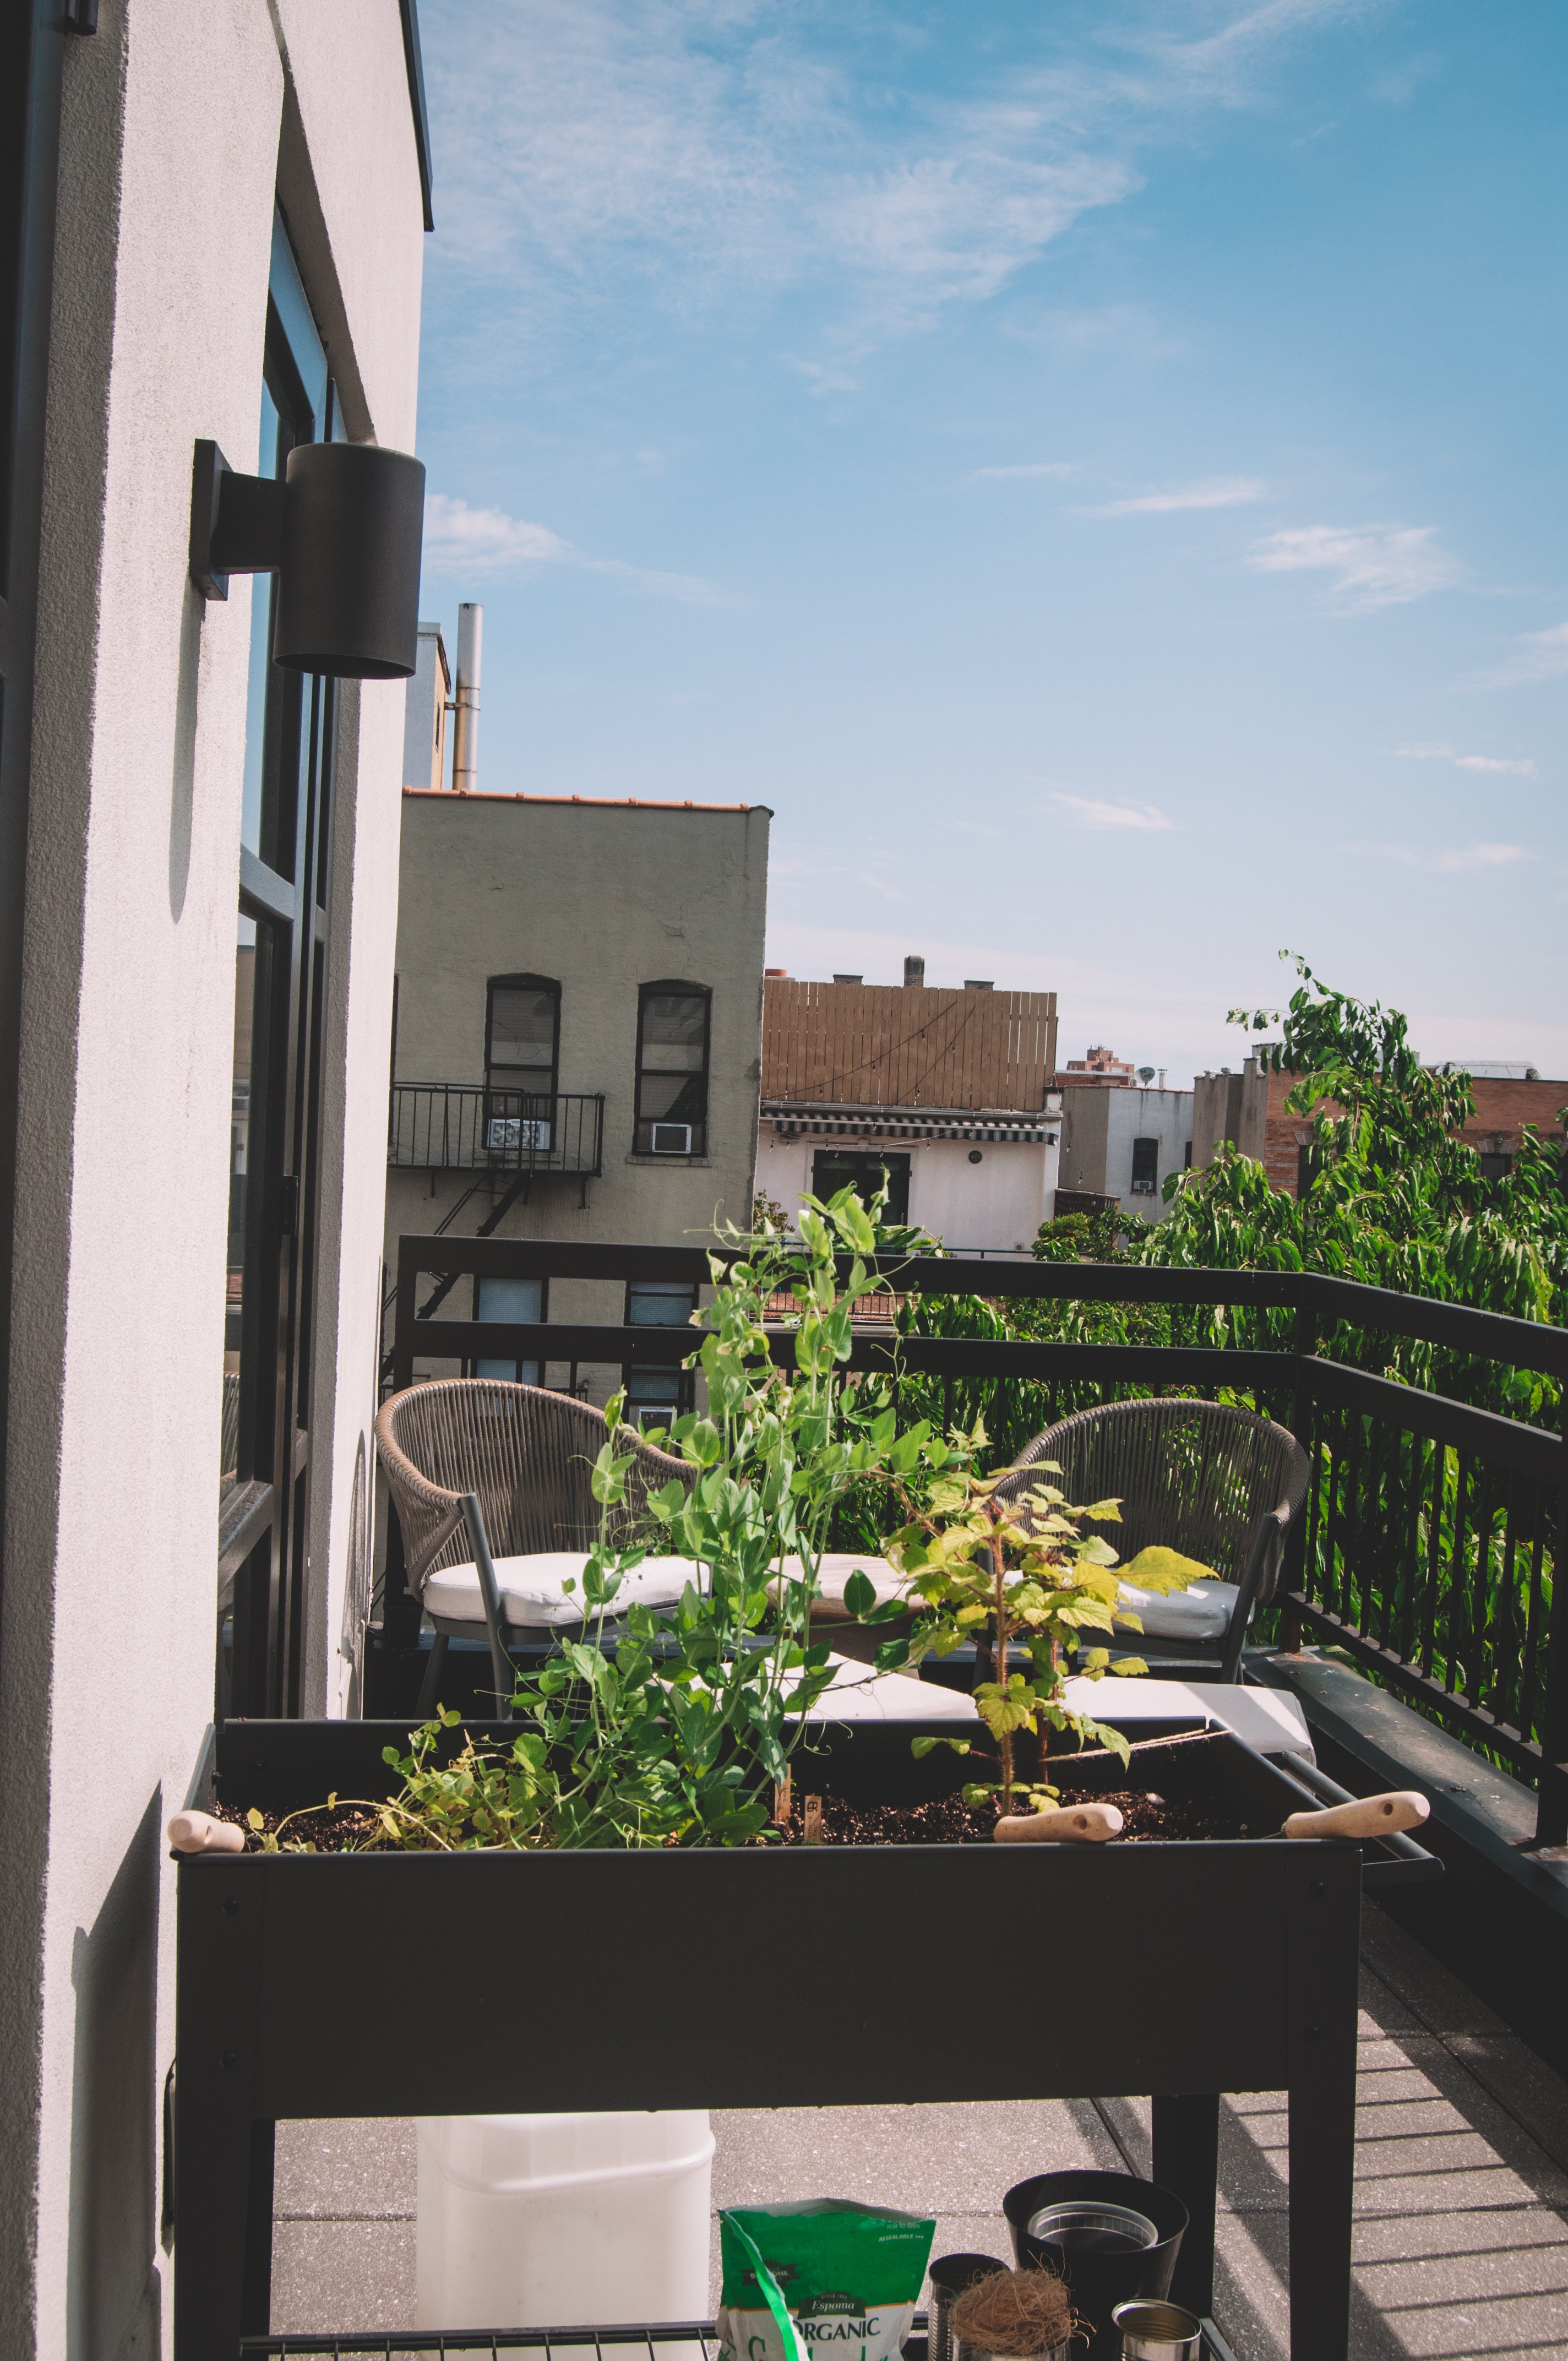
(255, 2293)
(219, 2287)
(1323, 1903)
(1187, 2160)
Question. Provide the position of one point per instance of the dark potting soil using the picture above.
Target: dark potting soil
(1150, 1819)
(336, 1827)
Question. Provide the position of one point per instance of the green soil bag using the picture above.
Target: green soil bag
(825, 2276)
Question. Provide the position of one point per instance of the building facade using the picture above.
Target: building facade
(215, 220)
(576, 1045)
(947, 1091)
(1249, 1109)
(1120, 1143)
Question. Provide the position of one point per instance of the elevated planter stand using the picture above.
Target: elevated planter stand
(307, 1984)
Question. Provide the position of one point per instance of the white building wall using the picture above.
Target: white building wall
(1164, 1115)
(997, 1204)
(178, 122)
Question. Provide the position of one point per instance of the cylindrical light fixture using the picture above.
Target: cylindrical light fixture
(348, 570)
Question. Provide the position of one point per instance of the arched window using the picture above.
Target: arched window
(523, 1037)
(672, 1070)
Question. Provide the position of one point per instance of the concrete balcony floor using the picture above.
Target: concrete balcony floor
(1462, 2183)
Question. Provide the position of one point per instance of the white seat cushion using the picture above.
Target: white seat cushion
(533, 1589)
(1202, 1612)
(833, 1575)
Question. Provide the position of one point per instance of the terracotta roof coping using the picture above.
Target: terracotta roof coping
(598, 803)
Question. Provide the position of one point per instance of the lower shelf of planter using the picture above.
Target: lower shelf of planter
(669, 2340)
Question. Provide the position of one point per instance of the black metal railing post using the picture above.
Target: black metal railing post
(1303, 1425)
(1551, 1800)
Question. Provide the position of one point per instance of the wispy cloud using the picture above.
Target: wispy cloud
(1214, 492)
(1537, 655)
(1376, 565)
(1447, 860)
(699, 145)
(1088, 813)
(1057, 467)
(475, 542)
(1520, 765)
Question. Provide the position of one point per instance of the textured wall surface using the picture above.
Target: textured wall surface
(178, 126)
(603, 898)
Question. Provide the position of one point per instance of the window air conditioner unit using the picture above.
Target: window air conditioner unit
(672, 1139)
(504, 1131)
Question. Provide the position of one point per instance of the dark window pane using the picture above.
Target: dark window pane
(833, 1169)
(523, 1027)
(1145, 1167)
(672, 1070)
(239, 1171)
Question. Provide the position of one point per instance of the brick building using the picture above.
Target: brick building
(1249, 1108)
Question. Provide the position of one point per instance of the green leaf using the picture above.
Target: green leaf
(921, 1747)
(859, 1594)
(1165, 1569)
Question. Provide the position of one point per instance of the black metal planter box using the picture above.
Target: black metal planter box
(328, 1984)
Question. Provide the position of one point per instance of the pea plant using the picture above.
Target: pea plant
(680, 1730)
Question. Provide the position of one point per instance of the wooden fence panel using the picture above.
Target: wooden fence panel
(906, 1045)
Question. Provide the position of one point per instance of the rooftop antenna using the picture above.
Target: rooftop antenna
(466, 707)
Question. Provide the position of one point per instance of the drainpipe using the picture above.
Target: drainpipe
(466, 707)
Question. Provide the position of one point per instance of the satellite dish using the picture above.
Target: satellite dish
(1145, 1075)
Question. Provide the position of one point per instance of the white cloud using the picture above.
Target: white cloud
(1448, 861)
(1520, 765)
(467, 542)
(696, 147)
(1540, 655)
(1088, 813)
(1060, 467)
(1214, 492)
(1377, 564)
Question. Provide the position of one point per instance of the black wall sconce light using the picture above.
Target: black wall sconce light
(341, 529)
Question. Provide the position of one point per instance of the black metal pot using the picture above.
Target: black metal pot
(1099, 2278)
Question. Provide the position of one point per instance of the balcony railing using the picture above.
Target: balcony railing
(456, 1128)
(1433, 1526)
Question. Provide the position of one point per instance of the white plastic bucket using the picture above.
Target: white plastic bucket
(542, 2221)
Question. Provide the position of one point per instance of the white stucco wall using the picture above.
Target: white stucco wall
(998, 1204)
(1101, 1126)
(178, 122)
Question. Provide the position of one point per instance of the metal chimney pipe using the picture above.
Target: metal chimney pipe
(466, 707)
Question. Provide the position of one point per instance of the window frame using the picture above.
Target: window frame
(521, 983)
(680, 987)
(898, 1163)
(285, 893)
(1149, 1186)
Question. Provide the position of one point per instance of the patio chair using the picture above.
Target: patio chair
(522, 1459)
(1219, 1485)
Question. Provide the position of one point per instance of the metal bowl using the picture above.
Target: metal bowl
(1091, 2226)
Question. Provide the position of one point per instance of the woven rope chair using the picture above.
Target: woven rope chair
(1219, 1485)
(528, 1456)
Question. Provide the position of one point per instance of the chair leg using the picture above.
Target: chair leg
(430, 1686)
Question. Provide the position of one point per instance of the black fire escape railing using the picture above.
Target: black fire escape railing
(460, 1127)
(1433, 1526)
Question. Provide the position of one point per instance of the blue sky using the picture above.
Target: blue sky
(1095, 468)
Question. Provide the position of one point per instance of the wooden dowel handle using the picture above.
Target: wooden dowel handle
(1067, 1824)
(1373, 1816)
(200, 1832)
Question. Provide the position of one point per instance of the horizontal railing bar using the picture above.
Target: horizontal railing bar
(946, 1356)
(1491, 1336)
(1501, 1442)
(1409, 1678)
(1520, 1344)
